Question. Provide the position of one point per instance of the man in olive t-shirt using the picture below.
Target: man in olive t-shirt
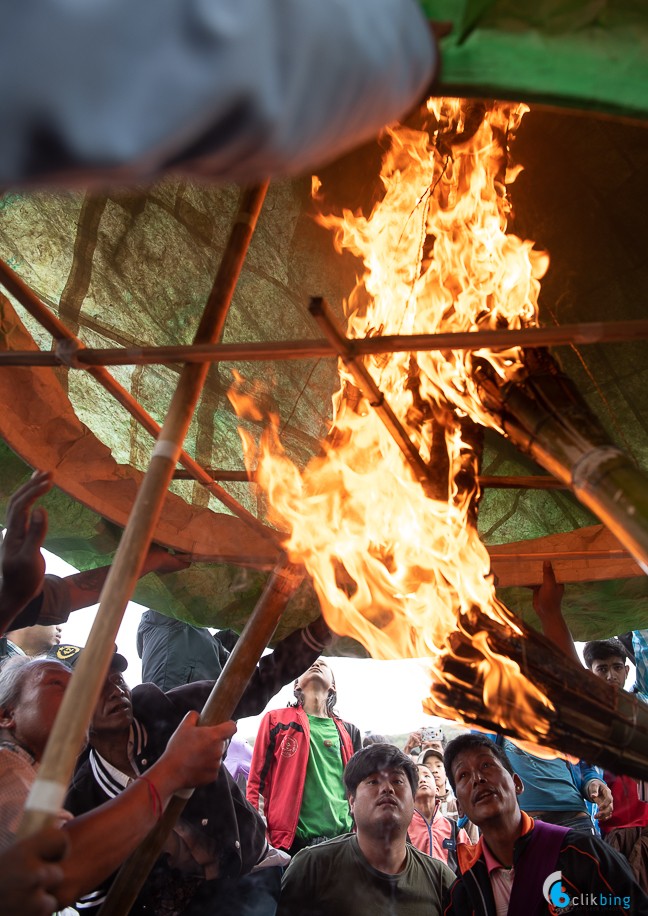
(374, 871)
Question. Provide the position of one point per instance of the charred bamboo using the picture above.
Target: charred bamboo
(586, 717)
(545, 416)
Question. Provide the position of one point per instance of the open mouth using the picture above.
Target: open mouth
(483, 796)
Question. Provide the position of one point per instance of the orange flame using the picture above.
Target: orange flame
(393, 566)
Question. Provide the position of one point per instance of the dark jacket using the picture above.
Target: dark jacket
(175, 653)
(217, 818)
(587, 866)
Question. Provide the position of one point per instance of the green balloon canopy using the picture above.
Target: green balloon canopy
(132, 268)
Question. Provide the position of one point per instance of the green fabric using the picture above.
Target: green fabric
(324, 810)
(576, 53)
(135, 267)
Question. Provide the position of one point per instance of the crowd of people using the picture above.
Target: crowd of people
(311, 820)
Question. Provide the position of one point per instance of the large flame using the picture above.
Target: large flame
(396, 565)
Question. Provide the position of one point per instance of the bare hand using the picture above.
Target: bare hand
(161, 560)
(30, 874)
(547, 598)
(23, 566)
(194, 753)
(414, 740)
(599, 794)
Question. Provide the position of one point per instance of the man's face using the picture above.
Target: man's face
(383, 803)
(438, 771)
(426, 787)
(613, 670)
(37, 640)
(485, 790)
(318, 671)
(114, 710)
(33, 713)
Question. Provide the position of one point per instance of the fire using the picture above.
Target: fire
(396, 565)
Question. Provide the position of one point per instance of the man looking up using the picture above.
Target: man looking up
(626, 829)
(430, 831)
(521, 866)
(374, 871)
(219, 836)
(297, 764)
(30, 695)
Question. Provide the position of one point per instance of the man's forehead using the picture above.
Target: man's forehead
(471, 754)
(385, 772)
(610, 660)
(38, 670)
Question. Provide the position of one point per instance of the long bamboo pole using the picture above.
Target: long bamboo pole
(567, 334)
(67, 342)
(503, 482)
(68, 734)
(220, 706)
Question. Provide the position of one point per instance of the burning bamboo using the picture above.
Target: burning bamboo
(585, 717)
(543, 413)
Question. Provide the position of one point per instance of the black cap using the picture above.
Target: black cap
(69, 655)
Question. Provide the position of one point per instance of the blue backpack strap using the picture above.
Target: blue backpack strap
(536, 863)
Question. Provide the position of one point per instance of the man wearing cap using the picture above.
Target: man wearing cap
(220, 836)
(31, 691)
(430, 831)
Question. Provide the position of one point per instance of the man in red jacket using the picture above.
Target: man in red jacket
(297, 764)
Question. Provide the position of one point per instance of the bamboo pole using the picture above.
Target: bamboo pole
(568, 334)
(368, 388)
(590, 719)
(544, 415)
(72, 346)
(220, 706)
(68, 734)
(503, 482)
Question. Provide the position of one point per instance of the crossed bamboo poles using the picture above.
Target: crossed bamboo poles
(68, 733)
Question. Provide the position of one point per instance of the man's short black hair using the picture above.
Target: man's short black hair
(599, 650)
(469, 743)
(373, 759)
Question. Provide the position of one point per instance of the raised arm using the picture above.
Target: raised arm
(101, 839)
(547, 601)
(23, 565)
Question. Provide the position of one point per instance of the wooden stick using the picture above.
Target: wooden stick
(38, 310)
(69, 731)
(220, 707)
(503, 482)
(568, 334)
(545, 416)
(366, 385)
